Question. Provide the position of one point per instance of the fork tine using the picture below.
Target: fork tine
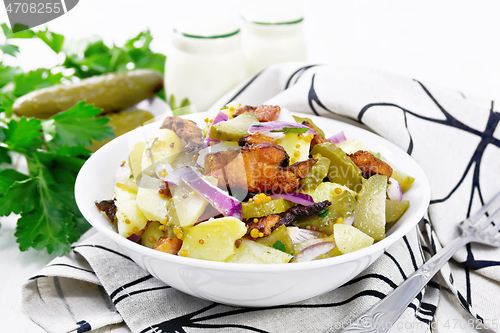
(494, 202)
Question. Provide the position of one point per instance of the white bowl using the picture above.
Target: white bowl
(244, 284)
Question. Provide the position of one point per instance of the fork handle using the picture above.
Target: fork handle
(382, 316)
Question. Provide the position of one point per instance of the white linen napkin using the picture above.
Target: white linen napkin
(453, 137)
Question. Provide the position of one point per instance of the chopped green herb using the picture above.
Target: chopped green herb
(323, 213)
(279, 245)
(287, 129)
(377, 155)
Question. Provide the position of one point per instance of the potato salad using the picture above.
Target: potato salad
(254, 185)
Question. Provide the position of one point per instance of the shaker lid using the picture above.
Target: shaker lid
(206, 27)
(272, 12)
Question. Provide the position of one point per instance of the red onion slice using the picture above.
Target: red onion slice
(268, 127)
(220, 200)
(311, 252)
(299, 235)
(122, 173)
(348, 220)
(338, 138)
(221, 116)
(299, 198)
(135, 237)
(394, 191)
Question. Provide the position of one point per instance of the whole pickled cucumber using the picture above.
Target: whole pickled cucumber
(111, 92)
(123, 122)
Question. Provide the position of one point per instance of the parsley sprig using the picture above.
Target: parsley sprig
(54, 151)
(54, 148)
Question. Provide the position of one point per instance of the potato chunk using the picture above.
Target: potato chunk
(251, 252)
(213, 240)
(130, 218)
(160, 145)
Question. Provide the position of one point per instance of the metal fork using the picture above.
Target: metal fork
(479, 228)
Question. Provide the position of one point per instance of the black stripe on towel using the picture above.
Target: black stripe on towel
(412, 255)
(243, 89)
(121, 298)
(130, 284)
(371, 275)
(71, 266)
(103, 248)
(397, 264)
(57, 286)
(299, 71)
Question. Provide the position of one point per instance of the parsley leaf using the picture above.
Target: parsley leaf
(77, 126)
(37, 79)
(53, 40)
(20, 197)
(9, 49)
(279, 245)
(8, 177)
(4, 155)
(21, 34)
(23, 136)
(7, 74)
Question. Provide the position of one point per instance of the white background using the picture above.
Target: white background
(450, 43)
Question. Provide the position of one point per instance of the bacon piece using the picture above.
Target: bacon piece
(267, 224)
(108, 207)
(216, 162)
(253, 139)
(168, 245)
(187, 130)
(260, 168)
(291, 214)
(370, 165)
(264, 224)
(263, 113)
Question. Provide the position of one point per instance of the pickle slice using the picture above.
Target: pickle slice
(316, 175)
(350, 239)
(342, 169)
(395, 209)
(234, 129)
(279, 234)
(277, 206)
(370, 211)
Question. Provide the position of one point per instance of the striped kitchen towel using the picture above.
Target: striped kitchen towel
(452, 136)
